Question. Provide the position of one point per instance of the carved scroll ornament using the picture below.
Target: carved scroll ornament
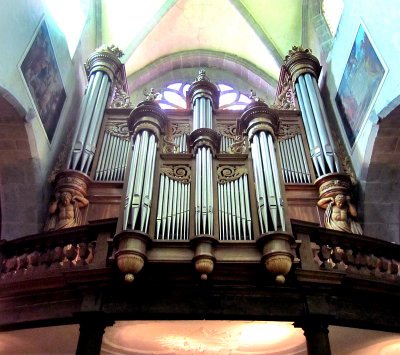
(179, 173)
(228, 173)
(238, 146)
(227, 130)
(287, 131)
(119, 129)
(169, 146)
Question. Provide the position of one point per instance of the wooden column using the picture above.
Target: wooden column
(91, 330)
(316, 334)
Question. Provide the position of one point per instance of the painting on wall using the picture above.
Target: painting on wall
(362, 78)
(42, 76)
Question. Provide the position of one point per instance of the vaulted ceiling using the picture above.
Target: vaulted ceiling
(255, 33)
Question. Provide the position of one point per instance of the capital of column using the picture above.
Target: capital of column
(203, 87)
(300, 61)
(205, 137)
(333, 184)
(257, 116)
(106, 59)
(148, 115)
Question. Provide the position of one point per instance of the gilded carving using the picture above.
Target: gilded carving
(180, 128)
(285, 98)
(297, 50)
(169, 146)
(287, 131)
(340, 214)
(227, 173)
(106, 59)
(202, 76)
(227, 130)
(119, 129)
(121, 99)
(238, 146)
(253, 97)
(300, 61)
(110, 48)
(151, 95)
(179, 173)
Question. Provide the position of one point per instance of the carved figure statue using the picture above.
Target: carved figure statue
(340, 214)
(253, 96)
(151, 95)
(65, 211)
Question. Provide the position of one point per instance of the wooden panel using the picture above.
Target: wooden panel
(302, 202)
(104, 200)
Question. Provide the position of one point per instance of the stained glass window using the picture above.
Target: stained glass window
(174, 97)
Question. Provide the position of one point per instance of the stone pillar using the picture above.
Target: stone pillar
(102, 68)
(146, 123)
(304, 69)
(317, 339)
(91, 330)
(204, 141)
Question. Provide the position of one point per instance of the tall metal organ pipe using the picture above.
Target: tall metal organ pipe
(102, 68)
(203, 95)
(204, 142)
(260, 124)
(304, 68)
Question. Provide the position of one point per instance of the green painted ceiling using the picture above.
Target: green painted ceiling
(257, 31)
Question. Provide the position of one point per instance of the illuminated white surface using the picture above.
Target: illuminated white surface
(70, 16)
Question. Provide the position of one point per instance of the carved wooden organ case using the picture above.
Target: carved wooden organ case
(204, 175)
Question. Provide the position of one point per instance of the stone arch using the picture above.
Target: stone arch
(206, 59)
(19, 171)
(382, 188)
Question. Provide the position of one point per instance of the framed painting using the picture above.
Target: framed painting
(361, 81)
(43, 79)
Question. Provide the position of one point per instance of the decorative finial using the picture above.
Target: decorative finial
(253, 96)
(152, 95)
(111, 48)
(202, 76)
(297, 49)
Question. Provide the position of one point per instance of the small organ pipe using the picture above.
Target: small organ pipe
(274, 166)
(160, 205)
(325, 118)
(131, 178)
(103, 155)
(139, 178)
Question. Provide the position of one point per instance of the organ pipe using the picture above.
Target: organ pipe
(102, 67)
(304, 69)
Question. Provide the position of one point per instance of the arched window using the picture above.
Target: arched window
(174, 97)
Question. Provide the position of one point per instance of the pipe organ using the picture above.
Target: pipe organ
(205, 176)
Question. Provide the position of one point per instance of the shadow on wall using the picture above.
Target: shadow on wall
(382, 189)
(378, 195)
(21, 212)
